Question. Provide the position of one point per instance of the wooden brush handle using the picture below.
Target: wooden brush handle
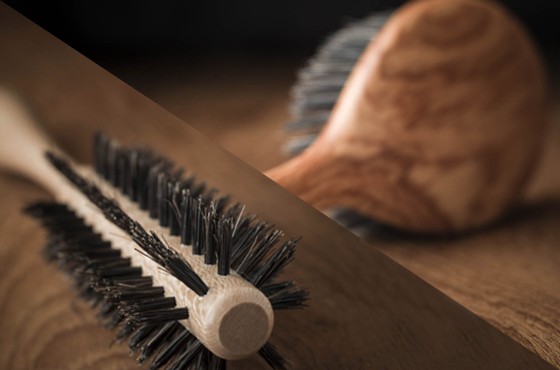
(23, 144)
(233, 320)
(439, 125)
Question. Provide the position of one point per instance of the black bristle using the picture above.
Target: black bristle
(122, 171)
(119, 293)
(126, 271)
(269, 353)
(179, 268)
(274, 264)
(211, 235)
(171, 348)
(163, 199)
(160, 315)
(100, 154)
(246, 233)
(203, 360)
(108, 262)
(124, 332)
(221, 204)
(140, 306)
(142, 282)
(216, 363)
(187, 217)
(225, 234)
(152, 197)
(140, 335)
(174, 212)
(265, 238)
(189, 182)
(112, 165)
(187, 356)
(198, 190)
(199, 226)
(106, 309)
(156, 340)
(142, 181)
(112, 318)
(177, 173)
(131, 190)
(285, 295)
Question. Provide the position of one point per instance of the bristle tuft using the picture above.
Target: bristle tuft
(322, 79)
(124, 297)
(269, 353)
(149, 242)
(285, 295)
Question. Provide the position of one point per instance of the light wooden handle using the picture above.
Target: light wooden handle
(23, 144)
(233, 320)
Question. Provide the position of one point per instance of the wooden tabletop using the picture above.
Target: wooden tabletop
(366, 310)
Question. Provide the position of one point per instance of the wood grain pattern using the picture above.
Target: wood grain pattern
(366, 311)
(438, 126)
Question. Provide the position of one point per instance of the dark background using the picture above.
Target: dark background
(114, 30)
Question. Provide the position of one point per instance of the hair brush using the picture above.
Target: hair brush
(428, 119)
(187, 279)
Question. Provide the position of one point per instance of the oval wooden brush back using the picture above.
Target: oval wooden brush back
(438, 126)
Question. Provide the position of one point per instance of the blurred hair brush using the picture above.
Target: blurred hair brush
(188, 280)
(428, 119)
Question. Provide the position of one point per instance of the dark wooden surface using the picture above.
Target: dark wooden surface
(366, 310)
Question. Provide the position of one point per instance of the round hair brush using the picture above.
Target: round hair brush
(429, 119)
(188, 280)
